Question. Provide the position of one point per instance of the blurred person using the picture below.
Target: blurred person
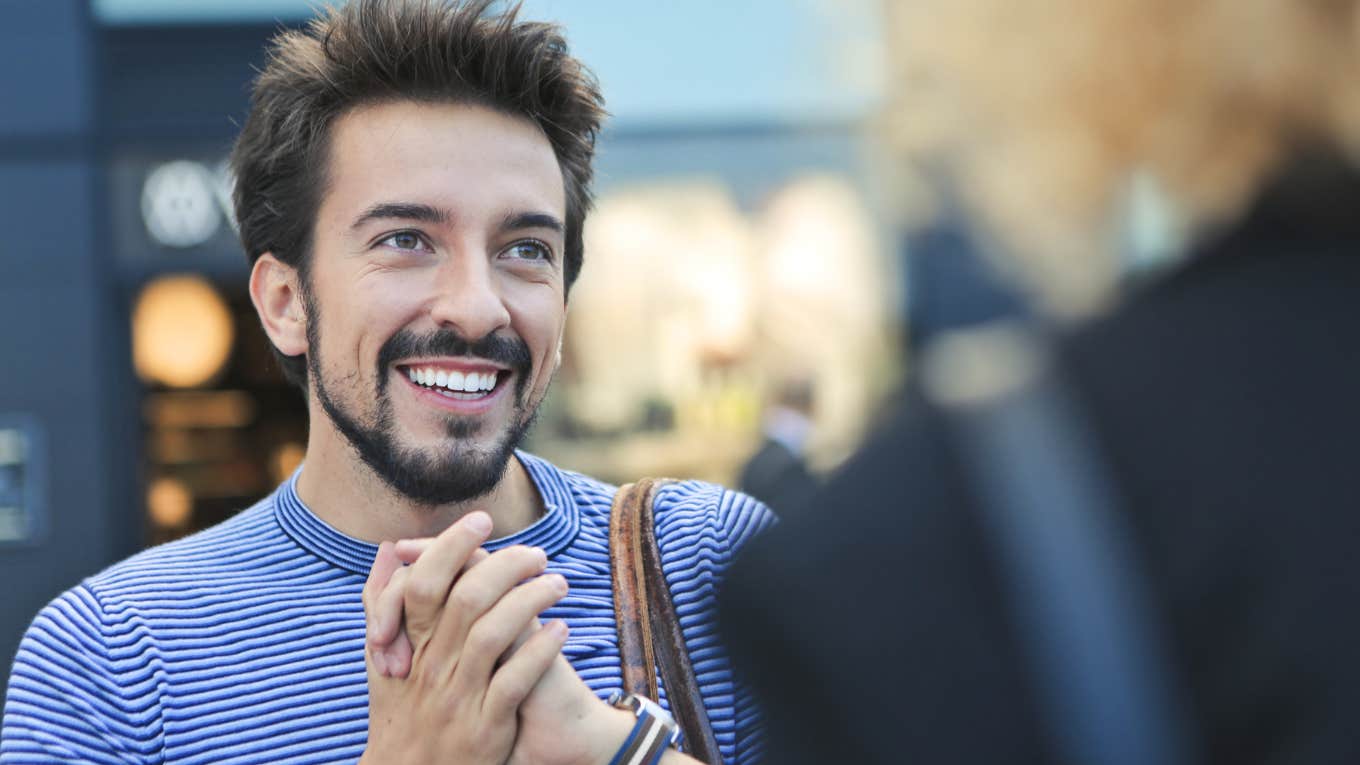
(777, 474)
(411, 185)
(1133, 539)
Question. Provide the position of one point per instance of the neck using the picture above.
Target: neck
(343, 491)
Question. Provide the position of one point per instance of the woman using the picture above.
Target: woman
(1220, 400)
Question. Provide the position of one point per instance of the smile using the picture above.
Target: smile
(463, 386)
(463, 390)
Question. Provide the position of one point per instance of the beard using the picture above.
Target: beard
(458, 473)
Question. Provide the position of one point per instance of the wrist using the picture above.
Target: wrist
(608, 728)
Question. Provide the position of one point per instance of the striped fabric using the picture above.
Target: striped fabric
(244, 643)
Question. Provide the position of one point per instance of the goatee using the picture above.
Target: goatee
(457, 473)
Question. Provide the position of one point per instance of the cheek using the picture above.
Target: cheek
(380, 307)
(544, 336)
(538, 315)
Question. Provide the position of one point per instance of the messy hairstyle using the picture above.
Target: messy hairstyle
(1044, 110)
(375, 51)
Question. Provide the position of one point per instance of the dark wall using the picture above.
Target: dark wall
(55, 316)
(75, 101)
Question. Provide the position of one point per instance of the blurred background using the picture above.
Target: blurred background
(742, 226)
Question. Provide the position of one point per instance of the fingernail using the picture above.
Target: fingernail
(559, 584)
(479, 522)
(558, 628)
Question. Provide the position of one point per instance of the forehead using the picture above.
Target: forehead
(467, 159)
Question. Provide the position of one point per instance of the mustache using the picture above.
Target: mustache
(506, 350)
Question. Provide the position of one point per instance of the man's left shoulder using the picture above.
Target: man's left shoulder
(703, 498)
(698, 513)
(678, 505)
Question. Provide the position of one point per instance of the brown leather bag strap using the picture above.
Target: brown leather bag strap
(649, 629)
(631, 611)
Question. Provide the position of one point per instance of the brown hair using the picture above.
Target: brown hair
(371, 51)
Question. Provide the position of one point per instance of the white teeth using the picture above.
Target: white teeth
(469, 384)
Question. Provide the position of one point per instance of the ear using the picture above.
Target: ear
(277, 295)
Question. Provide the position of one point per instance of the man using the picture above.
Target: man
(411, 187)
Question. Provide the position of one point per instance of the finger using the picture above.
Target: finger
(394, 659)
(385, 564)
(385, 613)
(516, 678)
(432, 575)
(529, 631)
(491, 636)
(409, 550)
(479, 588)
(478, 556)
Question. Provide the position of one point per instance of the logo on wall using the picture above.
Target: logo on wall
(184, 202)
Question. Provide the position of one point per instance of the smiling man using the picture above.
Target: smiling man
(411, 187)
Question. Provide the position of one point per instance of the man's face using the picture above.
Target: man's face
(436, 300)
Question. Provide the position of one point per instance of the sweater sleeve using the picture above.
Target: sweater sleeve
(700, 529)
(83, 688)
(741, 519)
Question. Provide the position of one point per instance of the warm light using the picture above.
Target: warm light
(181, 332)
(285, 460)
(669, 290)
(169, 503)
(199, 409)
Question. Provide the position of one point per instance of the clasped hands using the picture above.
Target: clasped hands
(459, 668)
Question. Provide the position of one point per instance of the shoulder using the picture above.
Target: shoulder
(687, 513)
(203, 561)
(194, 562)
(696, 516)
(559, 485)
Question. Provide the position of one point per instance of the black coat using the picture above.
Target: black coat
(1226, 403)
(779, 478)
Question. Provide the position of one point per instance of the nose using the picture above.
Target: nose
(468, 298)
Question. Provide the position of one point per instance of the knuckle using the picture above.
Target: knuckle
(508, 690)
(544, 591)
(521, 557)
(423, 592)
(465, 599)
(487, 636)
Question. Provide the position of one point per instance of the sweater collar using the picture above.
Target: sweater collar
(553, 532)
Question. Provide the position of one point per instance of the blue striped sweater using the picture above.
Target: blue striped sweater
(244, 643)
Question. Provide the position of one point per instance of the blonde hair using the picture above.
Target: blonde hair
(1044, 109)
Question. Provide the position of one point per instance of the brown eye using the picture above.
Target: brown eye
(529, 249)
(405, 240)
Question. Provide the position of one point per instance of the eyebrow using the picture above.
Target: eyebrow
(401, 211)
(523, 220)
